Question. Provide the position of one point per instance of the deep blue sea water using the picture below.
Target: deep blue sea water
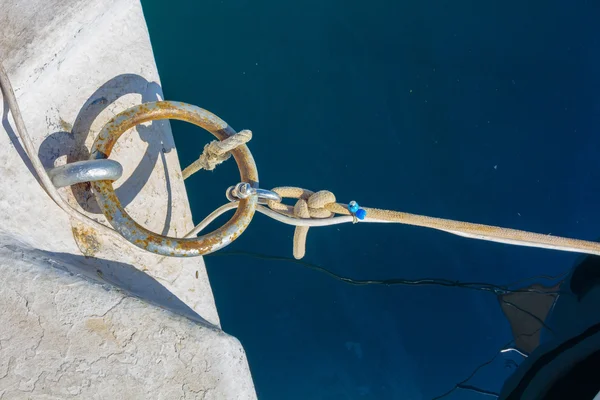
(480, 111)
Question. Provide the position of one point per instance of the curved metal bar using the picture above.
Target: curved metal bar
(85, 171)
(243, 190)
(137, 234)
(264, 196)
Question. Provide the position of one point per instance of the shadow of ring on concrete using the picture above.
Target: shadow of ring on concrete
(71, 141)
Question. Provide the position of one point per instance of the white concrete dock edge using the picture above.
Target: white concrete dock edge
(75, 64)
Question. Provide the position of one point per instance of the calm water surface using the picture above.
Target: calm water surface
(481, 111)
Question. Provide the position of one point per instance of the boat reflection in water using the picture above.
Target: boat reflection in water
(557, 330)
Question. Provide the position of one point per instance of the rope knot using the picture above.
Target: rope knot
(216, 152)
(308, 205)
(314, 206)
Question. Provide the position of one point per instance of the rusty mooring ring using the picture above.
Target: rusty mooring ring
(142, 237)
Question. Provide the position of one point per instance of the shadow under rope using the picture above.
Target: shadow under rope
(527, 305)
(72, 142)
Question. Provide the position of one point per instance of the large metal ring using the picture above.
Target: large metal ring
(142, 237)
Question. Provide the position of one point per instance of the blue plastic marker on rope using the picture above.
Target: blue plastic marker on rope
(356, 211)
(361, 213)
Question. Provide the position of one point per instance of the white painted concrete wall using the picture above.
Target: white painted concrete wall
(75, 64)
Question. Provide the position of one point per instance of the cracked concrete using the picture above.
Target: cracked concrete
(83, 315)
(120, 348)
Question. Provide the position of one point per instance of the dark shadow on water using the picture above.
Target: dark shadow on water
(120, 275)
(72, 143)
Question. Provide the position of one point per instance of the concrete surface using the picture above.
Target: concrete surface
(65, 337)
(74, 64)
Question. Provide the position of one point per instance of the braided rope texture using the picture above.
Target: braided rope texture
(323, 204)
